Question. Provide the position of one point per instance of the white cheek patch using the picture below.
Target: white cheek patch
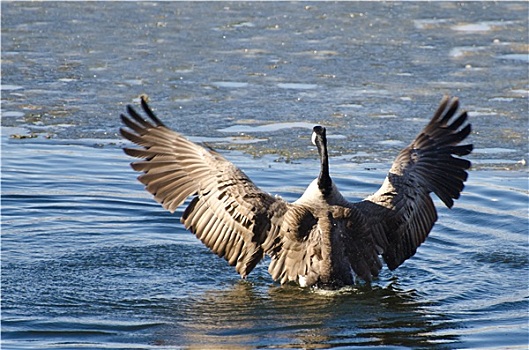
(313, 138)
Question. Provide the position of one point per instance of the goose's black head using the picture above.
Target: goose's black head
(319, 139)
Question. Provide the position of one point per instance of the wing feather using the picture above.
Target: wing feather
(295, 252)
(361, 249)
(401, 213)
(229, 214)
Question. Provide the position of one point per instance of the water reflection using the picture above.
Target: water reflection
(248, 315)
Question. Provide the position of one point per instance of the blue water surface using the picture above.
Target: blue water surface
(89, 260)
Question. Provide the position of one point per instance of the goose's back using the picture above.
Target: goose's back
(325, 245)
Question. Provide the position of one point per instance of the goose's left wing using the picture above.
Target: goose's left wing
(229, 214)
(401, 213)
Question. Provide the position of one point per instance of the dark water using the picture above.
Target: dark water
(89, 260)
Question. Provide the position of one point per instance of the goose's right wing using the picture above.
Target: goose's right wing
(401, 213)
(229, 214)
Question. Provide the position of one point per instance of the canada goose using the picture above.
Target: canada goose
(321, 239)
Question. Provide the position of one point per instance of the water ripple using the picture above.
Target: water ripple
(95, 262)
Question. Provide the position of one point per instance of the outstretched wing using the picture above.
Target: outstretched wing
(401, 213)
(229, 214)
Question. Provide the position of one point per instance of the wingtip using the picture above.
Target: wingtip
(441, 108)
(143, 103)
(122, 132)
(447, 107)
(131, 110)
(130, 152)
(147, 109)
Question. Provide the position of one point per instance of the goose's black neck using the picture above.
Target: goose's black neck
(324, 179)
